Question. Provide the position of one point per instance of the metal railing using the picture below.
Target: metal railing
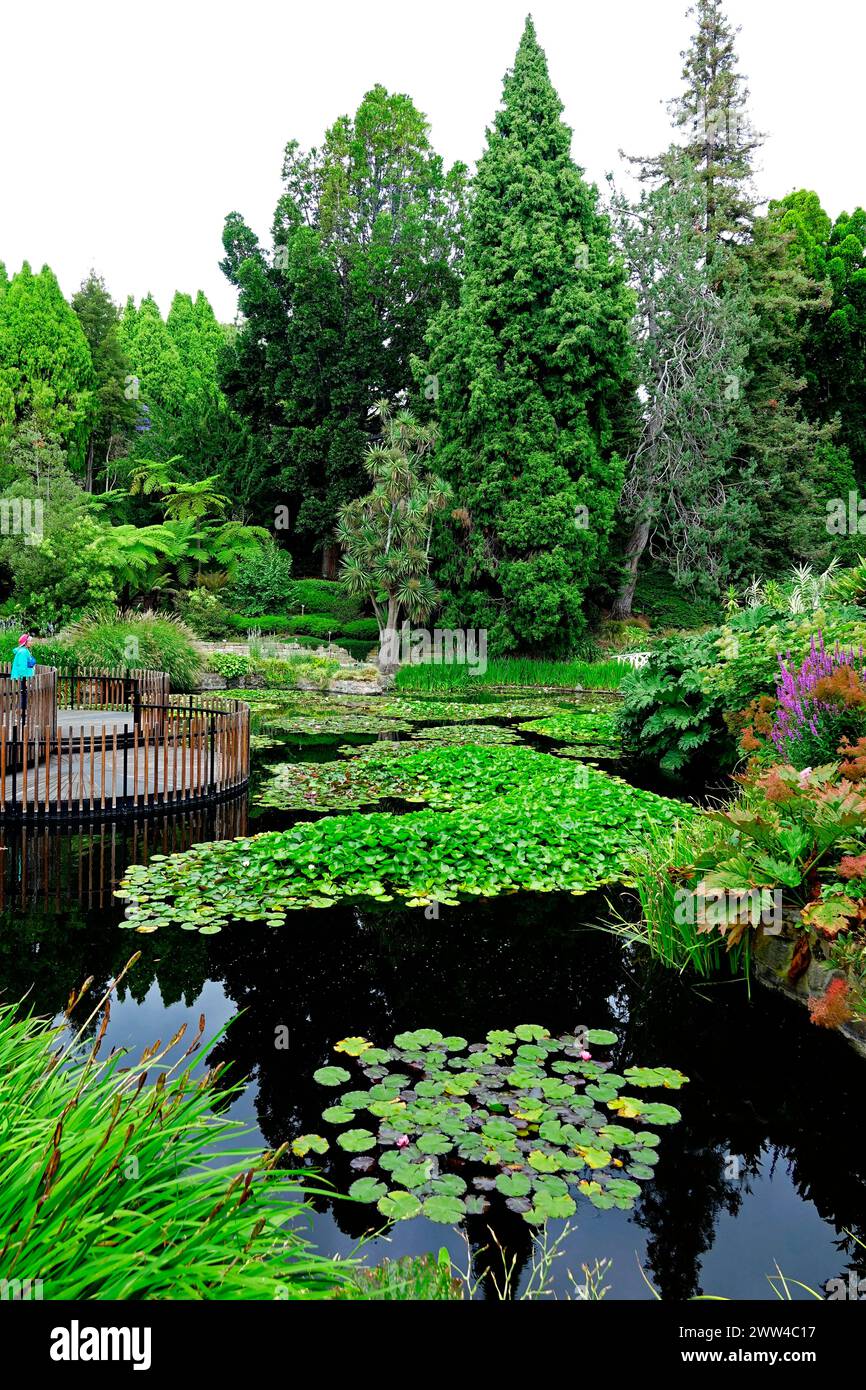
(177, 751)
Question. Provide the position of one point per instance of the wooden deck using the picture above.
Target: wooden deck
(103, 761)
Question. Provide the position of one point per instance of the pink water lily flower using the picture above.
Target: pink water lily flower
(402, 1141)
(586, 1056)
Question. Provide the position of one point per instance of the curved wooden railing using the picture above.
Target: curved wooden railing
(129, 753)
(33, 700)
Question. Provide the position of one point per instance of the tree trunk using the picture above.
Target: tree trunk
(634, 550)
(389, 639)
(330, 556)
(88, 480)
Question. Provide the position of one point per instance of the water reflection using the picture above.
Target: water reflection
(767, 1164)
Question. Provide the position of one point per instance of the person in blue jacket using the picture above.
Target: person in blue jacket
(23, 665)
(23, 662)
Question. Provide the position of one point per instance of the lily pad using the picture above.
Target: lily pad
(367, 1190)
(356, 1140)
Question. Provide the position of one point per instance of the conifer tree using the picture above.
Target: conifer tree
(115, 411)
(45, 364)
(532, 371)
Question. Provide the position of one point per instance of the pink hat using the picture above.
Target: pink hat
(25, 637)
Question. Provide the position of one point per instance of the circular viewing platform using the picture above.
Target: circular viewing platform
(88, 744)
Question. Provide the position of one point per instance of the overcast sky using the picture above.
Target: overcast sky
(128, 131)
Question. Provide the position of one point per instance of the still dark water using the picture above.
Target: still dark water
(767, 1166)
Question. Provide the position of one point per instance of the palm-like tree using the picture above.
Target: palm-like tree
(181, 500)
(386, 535)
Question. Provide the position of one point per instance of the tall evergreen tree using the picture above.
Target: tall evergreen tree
(156, 360)
(45, 364)
(533, 372)
(183, 414)
(684, 501)
(115, 413)
(716, 132)
(366, 235)
(834, 349)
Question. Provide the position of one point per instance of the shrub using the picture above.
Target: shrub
(262, 580)
(48, 653)
(324, 596)
(658, 598)
(324, 625)
(152, 641)
(284, 675)
(675, 707)
(361, 628)
(231, 664)
(205, 615)
(266, 622)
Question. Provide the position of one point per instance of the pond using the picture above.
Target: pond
(766, 1166)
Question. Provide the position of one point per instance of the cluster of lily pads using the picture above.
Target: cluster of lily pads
(440, 1128)
(587, 725)
(410, 708)
(548, 831)
(439, 776)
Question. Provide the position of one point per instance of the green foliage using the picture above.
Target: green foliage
(712, 111)
(411, 1277)
(325, 626)
(367, 239)
(477, 1106)
(150, 641)
(441, 777)
(115, 410)
(45, 365)
(324, 596)
(684, 495)
(554, 831)
(111, 1189)
(205, 614)
(658, 598)
(834, 351)
(262, 581)
(523, 673)
(674, 707)
(386, 535)
(231, 664)
(720, 879)
(592, 726)
(679, 939)
(532, 371)
(69, 568)
(181, 410)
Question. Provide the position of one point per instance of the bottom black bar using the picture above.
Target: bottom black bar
(59, 1339)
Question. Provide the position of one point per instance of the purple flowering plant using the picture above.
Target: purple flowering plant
(807, 728)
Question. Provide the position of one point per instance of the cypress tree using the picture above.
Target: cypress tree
(532, 371)
(45, 363)
(115, 412)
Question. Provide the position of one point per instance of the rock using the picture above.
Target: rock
(211, 681)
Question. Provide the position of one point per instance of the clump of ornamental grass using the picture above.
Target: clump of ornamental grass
(122, 1179)
(131, 640)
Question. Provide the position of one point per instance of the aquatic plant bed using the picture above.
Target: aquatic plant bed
(440, 776)
(555, 830)
(538, 1118)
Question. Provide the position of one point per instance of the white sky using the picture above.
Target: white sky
(128, 131)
